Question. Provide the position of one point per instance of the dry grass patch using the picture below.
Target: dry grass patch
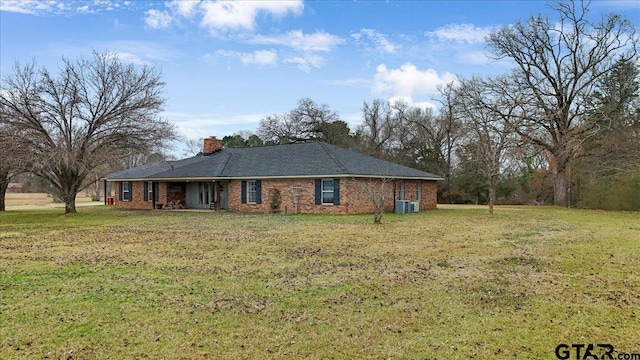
(30, 201)
(452, 283)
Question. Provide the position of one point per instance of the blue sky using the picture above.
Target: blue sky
(228, 64)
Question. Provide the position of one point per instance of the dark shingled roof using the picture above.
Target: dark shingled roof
(284, 161)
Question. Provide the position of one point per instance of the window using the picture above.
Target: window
(126, 191)
(251, 192)
(150, 191)
(401, 190)
(419, 190)
(327, 191)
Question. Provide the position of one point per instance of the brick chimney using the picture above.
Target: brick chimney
(211, 145)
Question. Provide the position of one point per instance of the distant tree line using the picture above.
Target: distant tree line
(562, 127)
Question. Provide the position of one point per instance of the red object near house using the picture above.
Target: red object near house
(109, 201)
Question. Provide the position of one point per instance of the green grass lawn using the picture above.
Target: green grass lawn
(454, 283)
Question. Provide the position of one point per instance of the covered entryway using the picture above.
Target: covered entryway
(207, 195)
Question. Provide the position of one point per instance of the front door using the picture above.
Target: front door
(222, 194)
(199, 194)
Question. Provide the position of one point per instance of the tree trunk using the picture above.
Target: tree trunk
(559, 164)
(69, 203)
(70, 207)
(4, 184)
(447, 176)
(377, 217)
(492, 194)
(560, 189)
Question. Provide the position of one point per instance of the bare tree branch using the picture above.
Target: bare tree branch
(93, 112)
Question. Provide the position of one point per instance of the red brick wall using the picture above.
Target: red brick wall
(429, 199)
(137, 196)
(354, 197)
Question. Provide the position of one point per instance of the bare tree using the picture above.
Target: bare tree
(558, 64)
(489, 137)
(376, 191)
(192, 147)
(448, 129)
(311, 115)
(11, 161)
(308, 120)
(6, 173)
(280, 129)
(94, 111)
(377, 128)
(615, 111)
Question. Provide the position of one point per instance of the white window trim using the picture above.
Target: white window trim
(323, 191)
(419, 191)
(150, 191)
(252, 191)
(126, 191)
(400, 189)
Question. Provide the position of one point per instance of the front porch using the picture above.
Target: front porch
(169, 195)
(213, 195)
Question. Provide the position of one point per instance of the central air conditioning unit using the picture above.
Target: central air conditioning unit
(414, 206)
(403, 207)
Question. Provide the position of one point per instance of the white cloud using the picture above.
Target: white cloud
(408, 81)
(157, 19)
(36, 7)
(193, 126)
(319, 41)
(132, 58)
(184, 8)
(409, 101)
(260, 57)
(135, 52)
(27, 6)
(461, 33)
(241, 15)
(306, 62)
(380, 42)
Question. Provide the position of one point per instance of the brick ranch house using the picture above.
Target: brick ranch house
(308, 177)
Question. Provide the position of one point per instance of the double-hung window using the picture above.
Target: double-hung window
(150, 191)
(126, 191)
(252, 192)
(400, 189)
(327, 191)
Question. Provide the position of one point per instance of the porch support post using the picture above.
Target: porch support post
(216, 191)
(105, 191)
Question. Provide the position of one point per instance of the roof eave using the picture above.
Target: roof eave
(256, 177)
